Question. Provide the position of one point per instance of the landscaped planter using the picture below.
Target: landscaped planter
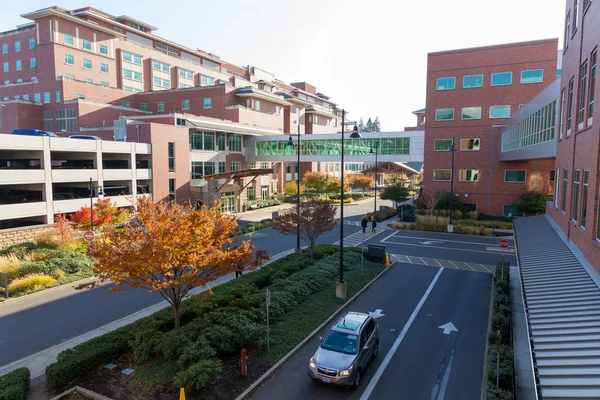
(80, 393)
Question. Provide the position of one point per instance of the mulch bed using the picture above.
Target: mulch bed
(114, 384)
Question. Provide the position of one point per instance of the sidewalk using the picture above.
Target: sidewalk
(38, 362)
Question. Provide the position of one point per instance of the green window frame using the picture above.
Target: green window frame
(445, 83)
(86, 45)
(171, 154)
(221, 142)
(444, 114)
(185, 104)
(251, 193)
(442, 144)
(103, 49)
(510, 210)
(87, 63)
(201, 140)
(104, 68)
(222, 167)
(68, 39)
(160, 106)
(235, 143)
(235, 166)
(69, 59)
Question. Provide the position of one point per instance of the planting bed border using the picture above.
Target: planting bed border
(83, 391)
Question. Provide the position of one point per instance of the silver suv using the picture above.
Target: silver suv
(344, 353)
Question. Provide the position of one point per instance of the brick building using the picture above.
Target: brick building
(470, 92)
(576, 206)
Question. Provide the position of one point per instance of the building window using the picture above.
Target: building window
(264, 191)
(171, 147)
(104, 68)
(200, 140)
(222, 167)
(251, 165)
(47, 98)
(570, 106)
(444, 114)
(552, 176)
(128, 74)
(185, 104)
(20, 80)
(561, 130)
(103, 49)
(592, 85)
(168, 50)
(207, 80)
(564, 190)
(126, 104)
(104, 83)
(80, 96)
(502, 79)
(251, 193)
(445, 83)
(575, 202)
(517, 176)
(6, 67)
(143, 107)
(171, 189)
(86, 45)
(66, 120)
(582, 89)
(5, 48)
(160, 106)
(468, 175)
(235, 143)
(471, 144)
(200, 169)
(32, 62)
(235, 166)
(532, 76)
(442, 175)
(31, 43)
(18, 46)
(442, 144)
(472, 81)
(556, 187)
(471, 113)
(58, 96)
(575, 14)
(48, 121)
(137, 76)
(512, 211)
(69, 59)
(37, 97)
(221, 142)
(18, 65)
(584, 194)
(88, 80)
(68, 39)
(160, 66)
(257, 105)
(277, 110)
(500, 111)
(207, 103)
(567, 29)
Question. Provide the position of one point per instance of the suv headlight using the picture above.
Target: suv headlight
(346, 372)
(312, 364)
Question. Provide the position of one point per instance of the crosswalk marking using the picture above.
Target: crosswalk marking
(357, 238)
(435, 262)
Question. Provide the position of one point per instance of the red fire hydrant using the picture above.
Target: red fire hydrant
(243, 361)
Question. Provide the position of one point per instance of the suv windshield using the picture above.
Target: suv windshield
(341, 342)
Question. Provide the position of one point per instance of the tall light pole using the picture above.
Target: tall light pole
(340, 287)
(376, 151)
(450, 226)
(290, 143)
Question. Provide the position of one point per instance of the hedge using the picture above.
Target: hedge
(383, 214)
(254, 226)
(253, 204)
(15, 385)
(500, 343)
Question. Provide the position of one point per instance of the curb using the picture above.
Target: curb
(275, 368)
(489, 329)
(49, 290)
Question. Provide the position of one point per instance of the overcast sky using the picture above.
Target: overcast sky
(369, 56)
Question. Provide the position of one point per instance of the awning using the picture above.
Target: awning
(391, 168)
(243, 173)
(215, 124)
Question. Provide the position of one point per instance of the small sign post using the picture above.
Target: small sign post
(503, 245)
(88, 236)
(268, 304)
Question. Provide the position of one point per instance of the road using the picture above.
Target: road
(37, 322)
(416, 359)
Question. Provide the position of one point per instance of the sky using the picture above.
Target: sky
(370, 57)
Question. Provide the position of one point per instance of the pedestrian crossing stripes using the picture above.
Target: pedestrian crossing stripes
(356, 239)
(436, 262)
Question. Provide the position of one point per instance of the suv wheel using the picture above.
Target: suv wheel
(357, 379)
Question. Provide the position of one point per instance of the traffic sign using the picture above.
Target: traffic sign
(504, 243)
(89, 236)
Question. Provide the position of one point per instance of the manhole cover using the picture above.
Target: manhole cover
(392, 329)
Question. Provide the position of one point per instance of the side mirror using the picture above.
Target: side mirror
(365, 347)
(320, 338)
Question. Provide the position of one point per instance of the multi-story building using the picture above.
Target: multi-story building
(576, 206)
(470, 93)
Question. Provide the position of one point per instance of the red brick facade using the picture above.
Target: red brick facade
(490, 193)
(579, 149)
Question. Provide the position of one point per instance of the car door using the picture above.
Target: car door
(369, 340)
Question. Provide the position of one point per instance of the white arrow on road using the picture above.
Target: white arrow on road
(431, 242)
(376, 314)
(448, 327)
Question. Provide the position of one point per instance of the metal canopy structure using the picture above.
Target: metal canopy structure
(390, 168)
(243, 173)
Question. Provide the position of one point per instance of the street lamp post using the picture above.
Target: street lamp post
(340, 287)
(376, 152)
(450, 226)
(290, 143)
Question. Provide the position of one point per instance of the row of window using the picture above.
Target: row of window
(66, 120)
(472, 175)
(467, 113)
(85, 44)
(362, 146)
(497, 79)
(88, 64)
(200, 169)
(467, 144)
(19, 65)
(579, 203)
(37, 97)
(586, 87)
(202, 140)
(17, 46)
(20, 80)
(535, 129)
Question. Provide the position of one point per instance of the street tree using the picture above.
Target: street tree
(105, 213)
(314, 219)
(376, 125)
(533, 203)
(334, 185)
(291, 188)
(364, 182)
(397, 193)
(315, 181)
(174, 249)
(428, 200)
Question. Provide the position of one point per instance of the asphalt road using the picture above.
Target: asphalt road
(37, 322)
(425, 363)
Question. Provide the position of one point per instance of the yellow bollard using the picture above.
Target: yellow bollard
(387, 260)
(182, 394)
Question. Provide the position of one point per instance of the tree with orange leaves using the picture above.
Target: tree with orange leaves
(175, 249)
(104, 213)
(363, 182)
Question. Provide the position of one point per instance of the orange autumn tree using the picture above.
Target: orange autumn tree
(364, 182)
(175, 249)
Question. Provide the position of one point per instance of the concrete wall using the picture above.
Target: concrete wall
(10, 237)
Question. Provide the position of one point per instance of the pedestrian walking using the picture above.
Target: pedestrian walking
(373, 224)
(364, 224)
(238, 270)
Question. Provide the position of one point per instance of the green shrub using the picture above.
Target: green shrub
(198, 350)
(77, 361)
(145, 345)
(154, 373)
(432, 223)
(15, 385)
(382, 215)
(198, 375)
(228, 333)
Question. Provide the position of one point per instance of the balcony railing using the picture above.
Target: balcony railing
(21, 176)
(22, 210)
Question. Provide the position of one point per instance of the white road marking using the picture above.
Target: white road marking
(439, 391)
(446, 241)
(387, 237)
(369, 390)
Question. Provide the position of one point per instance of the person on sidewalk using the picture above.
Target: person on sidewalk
(364, 224)
(238, 270)
(373, 224)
